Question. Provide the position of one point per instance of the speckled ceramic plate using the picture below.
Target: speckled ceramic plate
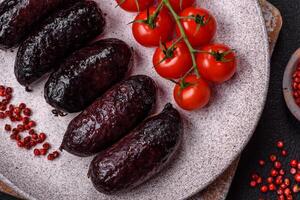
(214, 136)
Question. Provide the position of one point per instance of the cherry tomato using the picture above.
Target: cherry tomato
(199, 25)
(194, 95)
(149, 33)
(172, 61)
(179, 5)
(134, 5)
(219, 65)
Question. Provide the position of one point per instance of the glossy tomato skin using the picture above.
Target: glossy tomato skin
(213, 70)
(176, 66)
(176, 4)
(131, 6)
(202, 35)
(192, 97)
(151, 37)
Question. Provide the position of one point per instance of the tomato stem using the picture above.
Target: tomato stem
(187, 73)
(176, 42)
(173, 81)
(184, 37)
(168, 51)
(120, 3)
(152, 18)
(219, 56)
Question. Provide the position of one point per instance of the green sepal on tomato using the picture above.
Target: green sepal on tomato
(135, 5)
(172, 60)
(199, 25)
(216, 62)
(179, 5)
(150, 27)
(192, 93)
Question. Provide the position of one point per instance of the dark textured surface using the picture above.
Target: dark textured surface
(7, 197)
(276, 122)
(18, 17)
(60, 35)
(111, 116)
(87, 74)
(139, 155)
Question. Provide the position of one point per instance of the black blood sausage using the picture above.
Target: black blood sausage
(111, 116)
(57, 37)
(87, 74)
(139, 155)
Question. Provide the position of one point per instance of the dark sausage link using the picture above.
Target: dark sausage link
(60, 35)
(111, 116)
(139, 155)
(18, 17)
(87, 74)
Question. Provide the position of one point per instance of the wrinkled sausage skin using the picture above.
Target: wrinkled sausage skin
(139, 155)
(18, 17)
(87, 74)
(57, 37)
(111, 116)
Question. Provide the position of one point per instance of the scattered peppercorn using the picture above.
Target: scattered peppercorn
(31, 132)
(264, 189)
(270, 179)
(293, 171)
(252, 183)
(293, 163)
(22, 106)
(296, 85)
(280, 144)
(277, 165)
(284, 153)
(297, 178)
(50, 156)
(279, 180)
(31, 124)
(27, 112)
(46, 145)
(21, 113)
(36, 152)
(281, 171)
(296, 188)
(273, 158)
(42, 136)
(43, 151)
(259, 180)
(55, 154)
(261, 162)
(7, 127)
(272, 187)
(34, 136)
(274, 173)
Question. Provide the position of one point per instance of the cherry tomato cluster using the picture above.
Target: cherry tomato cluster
(185, 54)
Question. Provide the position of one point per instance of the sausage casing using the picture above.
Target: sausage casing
(18, 17)
(139, 155)
(111, 116)
(57, 37)
(87, 74)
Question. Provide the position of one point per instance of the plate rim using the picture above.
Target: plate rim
(242, 147)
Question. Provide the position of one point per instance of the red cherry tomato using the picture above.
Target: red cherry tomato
(172, 61)
(160, 31)
(199, 25)
(219, 65)
(134, 5)
(194, 95)
(179, 5)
